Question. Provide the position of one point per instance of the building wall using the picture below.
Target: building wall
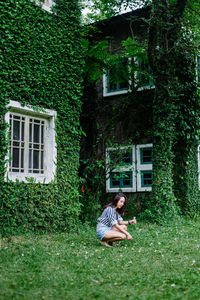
(119, 119)
(41, 68)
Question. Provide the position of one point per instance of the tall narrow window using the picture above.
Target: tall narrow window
(36, 146)
(32, 146)
(144, 167)
(17, 144)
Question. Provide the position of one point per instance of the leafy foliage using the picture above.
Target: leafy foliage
(41, 65)
(172, 43)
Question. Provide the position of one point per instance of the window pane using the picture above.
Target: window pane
(146, 155)
(118, 157)
(146, 178)
(15, 162)
(30, 132)
(35, 159)
(36, 156)
(22, 133)
(22, 158)
(42, 157)
(121, 179)
(115, 180)
(36, 133)
(117, 77)
(16, 145)
(30, 159)
(111, 80)
(127, 179)
(16, 130)
(126, 157)
(42, 134)
(36, 146)
(114, 157)
(145, 75)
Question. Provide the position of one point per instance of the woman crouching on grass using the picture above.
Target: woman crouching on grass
(111, 227)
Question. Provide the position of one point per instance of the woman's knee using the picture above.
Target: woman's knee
(124, 227)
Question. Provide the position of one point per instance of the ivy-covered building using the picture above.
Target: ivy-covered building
(40, 105)
(118, 111)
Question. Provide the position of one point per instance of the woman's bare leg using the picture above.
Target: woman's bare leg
(124, 227)
(114, 235)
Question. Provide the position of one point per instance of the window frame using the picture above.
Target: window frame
(142, 87)
(137, 167)
(129, 167)
(147, 86)
(123, 91)
(142, 167)
(50, 147)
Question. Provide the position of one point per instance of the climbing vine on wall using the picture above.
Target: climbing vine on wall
(41, 65)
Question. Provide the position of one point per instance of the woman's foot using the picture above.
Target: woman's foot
(112, 244)
(104, 244)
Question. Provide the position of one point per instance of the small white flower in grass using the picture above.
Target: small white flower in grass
(57, 254)
(22, 254)
(173, 284)
(193, 262)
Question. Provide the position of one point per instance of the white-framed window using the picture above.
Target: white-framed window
(32, 143)
(129, 168)
(144, 76)
(144, 167)
(115, 81)
(120, 169)
(45, 4)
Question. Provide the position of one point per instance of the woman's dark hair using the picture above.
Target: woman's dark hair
(114, 202)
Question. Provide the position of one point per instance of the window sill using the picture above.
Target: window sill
(27, 178)
(106, 94)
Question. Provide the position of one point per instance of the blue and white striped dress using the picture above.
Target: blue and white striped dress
(106, 221)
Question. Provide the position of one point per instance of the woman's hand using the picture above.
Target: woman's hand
(129, 237)
(133, 221)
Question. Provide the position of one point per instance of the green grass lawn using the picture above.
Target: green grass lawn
(160, 263)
